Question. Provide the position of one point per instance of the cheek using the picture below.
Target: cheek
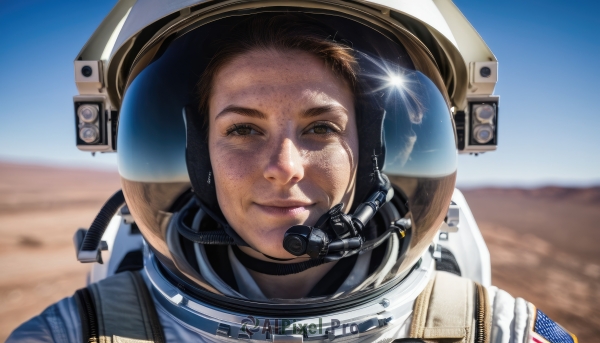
(341, 170)
(230, 164)
(333, 170)
(234, 172)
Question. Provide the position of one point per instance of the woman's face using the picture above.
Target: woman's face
(283, 144)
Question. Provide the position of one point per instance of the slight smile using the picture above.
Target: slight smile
(290, 209)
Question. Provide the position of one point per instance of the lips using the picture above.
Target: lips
(284, 207)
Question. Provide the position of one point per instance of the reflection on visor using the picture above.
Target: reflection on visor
(418, 140)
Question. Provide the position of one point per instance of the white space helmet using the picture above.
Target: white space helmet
(411, 79)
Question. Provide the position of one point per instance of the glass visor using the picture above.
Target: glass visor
(418, 135)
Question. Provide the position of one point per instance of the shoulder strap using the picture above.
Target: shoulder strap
(119, 309)
(453, 308)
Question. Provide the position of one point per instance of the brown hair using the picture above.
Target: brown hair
(279, 32)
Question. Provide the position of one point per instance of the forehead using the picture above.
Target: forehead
(290, 75)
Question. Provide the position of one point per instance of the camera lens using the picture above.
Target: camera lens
(86, 71)
(485, 72)
(88, 113)
(89, 134)
(483, 133)
(485, 113)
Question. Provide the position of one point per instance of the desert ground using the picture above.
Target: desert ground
(544, 243)
(544, 248)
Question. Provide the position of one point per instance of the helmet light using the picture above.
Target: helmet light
(89, 133)
(484, 113)
(483, 133)
(477, 126)
(88, 113)
(94, 127)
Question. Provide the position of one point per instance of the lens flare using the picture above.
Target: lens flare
(395, 84)
(396, 81)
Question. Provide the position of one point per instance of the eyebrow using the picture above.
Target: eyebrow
(316, 111)
(248, 112)
(311, 112)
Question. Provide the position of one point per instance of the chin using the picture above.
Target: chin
(271, 243)
(268, 239)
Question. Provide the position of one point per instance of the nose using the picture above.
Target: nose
(285, 164)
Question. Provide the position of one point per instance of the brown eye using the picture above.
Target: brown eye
(241, 130)
(321, 129)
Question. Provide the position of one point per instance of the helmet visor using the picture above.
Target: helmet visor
(400, 110)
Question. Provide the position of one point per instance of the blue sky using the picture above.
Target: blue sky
(549, 130)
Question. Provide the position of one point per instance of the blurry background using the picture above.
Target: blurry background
(536, 199)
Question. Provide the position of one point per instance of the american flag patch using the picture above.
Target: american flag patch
(545, 330)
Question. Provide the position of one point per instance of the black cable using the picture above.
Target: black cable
(93, 237)
(206, 237)
(402, 225)
(273, 268)
(216, 237)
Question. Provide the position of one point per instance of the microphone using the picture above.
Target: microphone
(335, 231)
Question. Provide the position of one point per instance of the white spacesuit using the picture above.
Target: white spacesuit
(422, 81)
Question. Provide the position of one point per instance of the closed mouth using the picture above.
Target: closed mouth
(291, 209)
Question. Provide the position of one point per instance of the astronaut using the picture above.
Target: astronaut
(289, 165)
